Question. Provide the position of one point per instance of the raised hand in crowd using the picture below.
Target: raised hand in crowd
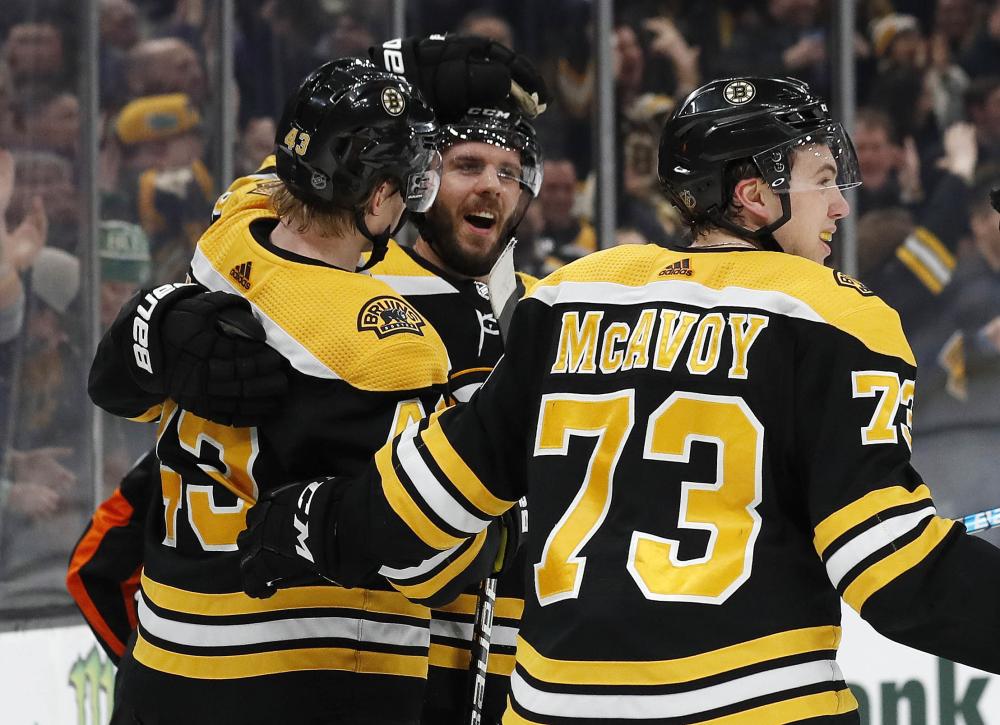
(669, 43)
(961, 151)
(42, 466)
(22, 244)
(911, 187)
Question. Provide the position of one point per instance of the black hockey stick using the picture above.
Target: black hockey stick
(504, 294)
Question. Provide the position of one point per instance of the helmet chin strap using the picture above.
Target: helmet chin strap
(380, 242)
(764, 235)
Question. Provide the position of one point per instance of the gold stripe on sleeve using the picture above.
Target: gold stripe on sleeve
(919, 270)
(441, 578)
(406, 508)
(863, 509)
(887, 569)
(458, 472)
(932, 242)
(150, 415)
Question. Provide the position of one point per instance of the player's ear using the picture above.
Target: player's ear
(755, 199)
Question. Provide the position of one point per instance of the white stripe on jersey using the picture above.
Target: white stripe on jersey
(408, 286)
(229, 635)
(412, 572)
(430, 489)
(465, 392)
(926, 255)
(692, 293)
(502, 635)
(289, 348)
(681, 704)
(871, 540)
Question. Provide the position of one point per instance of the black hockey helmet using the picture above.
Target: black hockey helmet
(763, 120)
(505, 128)
(350, 126)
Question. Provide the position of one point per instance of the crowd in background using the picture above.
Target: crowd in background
(927, 135)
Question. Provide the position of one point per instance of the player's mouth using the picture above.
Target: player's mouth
(826, 237)
(481, 221)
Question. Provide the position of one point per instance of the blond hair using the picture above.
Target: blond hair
(303, 217)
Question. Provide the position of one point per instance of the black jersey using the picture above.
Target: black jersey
(716, 448)
(459, 308)
(363, 363)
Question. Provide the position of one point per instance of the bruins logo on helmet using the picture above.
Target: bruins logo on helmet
(739, 92)
(847, 281)
(387, 316)
(393, 101)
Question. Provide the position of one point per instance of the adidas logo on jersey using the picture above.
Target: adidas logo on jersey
(682, 266)
(241, 273)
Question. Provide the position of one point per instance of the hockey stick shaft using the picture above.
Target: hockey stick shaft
(482, 631)
(981, 520)
(504, 293)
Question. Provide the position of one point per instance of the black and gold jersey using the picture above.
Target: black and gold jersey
(459, 309)
(716, 448)
(363, 364)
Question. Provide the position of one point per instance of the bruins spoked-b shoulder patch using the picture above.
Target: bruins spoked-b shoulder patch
(845, 280)
(386, 315)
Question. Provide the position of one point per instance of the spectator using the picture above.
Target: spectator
(42, 503)
(564, 235)
(487, 25)
(891, 172)
(45, 187)
(6, 107)
(119, 31)
(955, 20)
(167, 187)
(959, 422)
(35, 55)
(166, 65)
(786, 39)
(126, 265)
(982, 57)
(983, 107)
(49, 120)
(256, 142)
(350, 36)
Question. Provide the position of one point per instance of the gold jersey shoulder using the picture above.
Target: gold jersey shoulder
(328, 323)
(782, 283)
(248, 192)
(397, 263)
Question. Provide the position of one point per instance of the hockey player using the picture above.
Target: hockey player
(715, 441)
(492, 166)
(355, 148)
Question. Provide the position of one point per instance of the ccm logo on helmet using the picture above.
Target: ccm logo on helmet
(140, 324)
(492, 112)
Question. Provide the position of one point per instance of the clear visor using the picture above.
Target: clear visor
(821, 159)
(522, 168)
(424, 180)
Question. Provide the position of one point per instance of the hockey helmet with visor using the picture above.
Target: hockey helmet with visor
(769, 122)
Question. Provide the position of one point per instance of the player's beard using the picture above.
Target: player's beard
(438, 230)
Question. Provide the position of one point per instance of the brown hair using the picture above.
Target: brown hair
(735, 172)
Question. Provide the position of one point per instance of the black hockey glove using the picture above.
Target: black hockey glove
(206, 351)
(284, 543)
(456, 72)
